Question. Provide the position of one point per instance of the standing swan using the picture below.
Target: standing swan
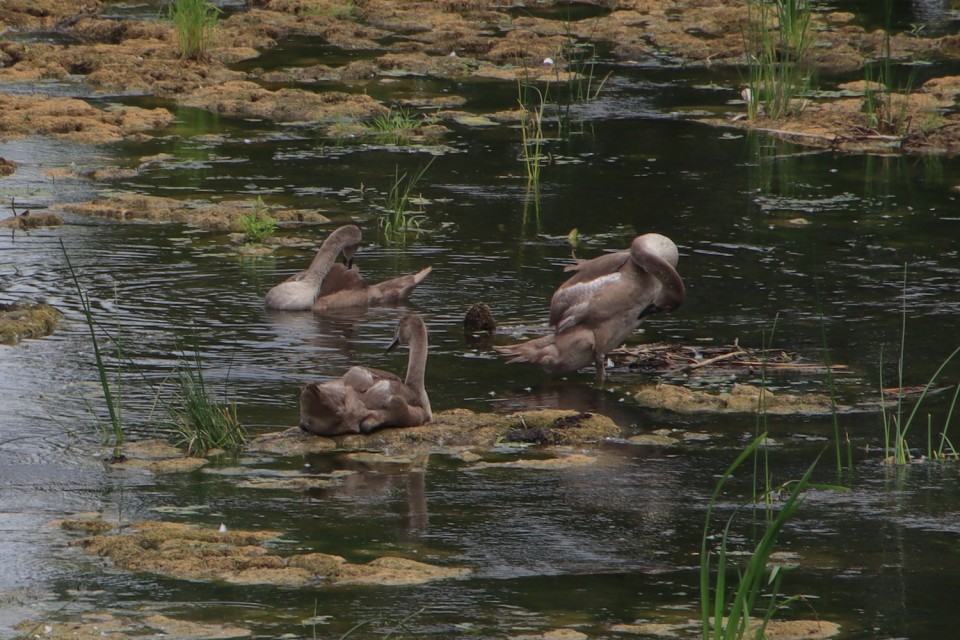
(365, 399)
(594, 311)
(298, 292)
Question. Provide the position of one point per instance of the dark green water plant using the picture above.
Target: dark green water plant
(195, 22)
(399, 217)
(731, 612)
(202, 422)
(112, 393)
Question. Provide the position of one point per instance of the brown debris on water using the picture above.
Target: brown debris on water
(21, 320)
(7, 167)
(156, 456)
(663, 359)
(742, 398)
(243, 99)
(73, 119)
(238, 557)
(221, 216)
(32, 220)
(129, 626)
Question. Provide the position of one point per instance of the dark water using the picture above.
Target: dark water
(780, 243)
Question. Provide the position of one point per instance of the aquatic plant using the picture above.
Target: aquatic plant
(895, 425)
(776, 40)
(257, 225)
(393, 121)
(531, 132)
(195, 21)
(200, 420)
(399, 218)
(112, 434)
(886, 108)
(726, 614)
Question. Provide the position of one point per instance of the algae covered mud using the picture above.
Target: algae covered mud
(536, 506)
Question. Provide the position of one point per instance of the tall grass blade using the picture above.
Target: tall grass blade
(113, 406)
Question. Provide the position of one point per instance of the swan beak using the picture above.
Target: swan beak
(392, 345)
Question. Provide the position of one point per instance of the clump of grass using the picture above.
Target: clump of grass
(777, 40)
(726, 613)
(399, 217)
(896, 425)
(195, 21)
(393, 121)
(201, 421)
(257, 225)
(112, 433)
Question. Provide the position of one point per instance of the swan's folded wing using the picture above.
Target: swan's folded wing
(361, 379)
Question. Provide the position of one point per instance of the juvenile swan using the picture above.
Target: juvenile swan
(323, 276)
(595, 310)
(365, 399)
(358, 293)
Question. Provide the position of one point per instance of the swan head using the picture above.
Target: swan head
(658, 245)
(410, 325)
(348, 239)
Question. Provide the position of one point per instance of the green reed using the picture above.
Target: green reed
(399, 217)
(258, 225)
(531, 132)
(195, 22)
(777, 40)
(886, 109)
(896, 425)
(726, 612)
(113, 433)
(201, 421)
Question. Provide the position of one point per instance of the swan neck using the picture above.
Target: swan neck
(417, 365)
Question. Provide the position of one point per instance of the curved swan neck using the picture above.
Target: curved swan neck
(335, 243)
(417, 364)
(658, 258)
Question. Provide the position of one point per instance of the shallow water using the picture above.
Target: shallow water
(808, 246)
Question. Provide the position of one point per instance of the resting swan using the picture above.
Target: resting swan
(366, 399)
(595, 310)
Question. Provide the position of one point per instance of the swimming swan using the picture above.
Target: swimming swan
(595, 310)
(327, 284)
(298, 292)
(366, 399)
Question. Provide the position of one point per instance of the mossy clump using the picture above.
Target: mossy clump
(455, 429)
(742, 398)
(20, 320)
(188, 552)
